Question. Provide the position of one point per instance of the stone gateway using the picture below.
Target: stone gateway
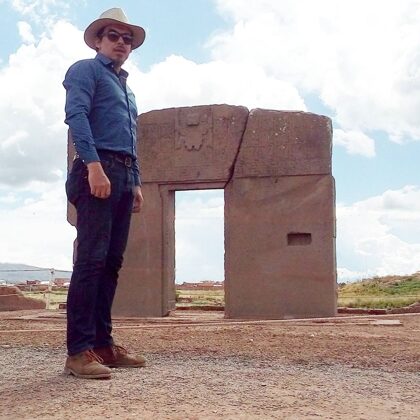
(275, 169)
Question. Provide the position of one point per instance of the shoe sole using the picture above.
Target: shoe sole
(69, 372)
(124, 366)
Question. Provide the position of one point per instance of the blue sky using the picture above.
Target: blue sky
(358, 63)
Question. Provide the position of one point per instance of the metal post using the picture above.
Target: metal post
(50, 283)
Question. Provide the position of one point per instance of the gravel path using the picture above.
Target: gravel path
(199, 382)
(33, 386)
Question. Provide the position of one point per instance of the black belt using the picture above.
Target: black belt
(118, 157)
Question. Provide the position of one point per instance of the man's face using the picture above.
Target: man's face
(111, 46)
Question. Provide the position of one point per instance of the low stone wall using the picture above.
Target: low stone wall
(12, 299)
(193, 287)
(411, 309)
(361, 311)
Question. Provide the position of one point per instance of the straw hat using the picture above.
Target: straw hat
(109, 17)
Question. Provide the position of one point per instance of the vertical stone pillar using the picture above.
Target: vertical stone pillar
(280, 220)
(143, 289)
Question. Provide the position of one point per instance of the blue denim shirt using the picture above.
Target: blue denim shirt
(101, 110)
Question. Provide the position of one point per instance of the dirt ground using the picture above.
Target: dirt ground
(201, 366)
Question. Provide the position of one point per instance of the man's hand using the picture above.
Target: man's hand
(138, 199)
(100, 186)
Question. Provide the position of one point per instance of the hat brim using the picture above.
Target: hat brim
(92, 30)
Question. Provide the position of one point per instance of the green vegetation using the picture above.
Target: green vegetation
(375, 303)
(200, 297)
(380, 292)
(56, 297)
(389, 285)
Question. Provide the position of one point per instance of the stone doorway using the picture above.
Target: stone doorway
(199, 248)
(275, 169)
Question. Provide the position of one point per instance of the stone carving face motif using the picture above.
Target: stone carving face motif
(193, 131)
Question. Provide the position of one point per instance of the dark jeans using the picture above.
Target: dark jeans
(102, 232)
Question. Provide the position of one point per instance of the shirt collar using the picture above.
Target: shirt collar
(106, 61)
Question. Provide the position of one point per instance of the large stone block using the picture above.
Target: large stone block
(280, 247)
(191, 144)
(143, 285)
(279, 143)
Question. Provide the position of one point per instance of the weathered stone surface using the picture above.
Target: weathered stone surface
(191, 144)
(148, 271)
(361, 311)
(12, 299)
(279, 243)
(279, 143)
(413, 309)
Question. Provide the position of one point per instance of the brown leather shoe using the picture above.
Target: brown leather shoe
(118, 357)
(86, 365)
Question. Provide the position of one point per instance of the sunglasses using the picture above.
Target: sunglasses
(114, 36)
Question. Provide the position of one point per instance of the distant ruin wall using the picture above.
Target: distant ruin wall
(12, 299)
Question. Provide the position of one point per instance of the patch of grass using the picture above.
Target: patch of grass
(200, 297)
(56, 297)
(388, 285)
(378, 302)
(380, 292)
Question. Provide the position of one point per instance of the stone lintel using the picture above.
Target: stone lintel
(284, 143)
(190, 144)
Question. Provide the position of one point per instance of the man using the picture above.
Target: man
(104, 186)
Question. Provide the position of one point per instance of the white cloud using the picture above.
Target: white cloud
(361, 57)
(14, 140)
(8, 198)
(355, 142)
(199, 230)
(180, 82)
(43, 12)
(32, 107)
(25, 32)
(33, 144)
(380, 235)
(34, 230)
